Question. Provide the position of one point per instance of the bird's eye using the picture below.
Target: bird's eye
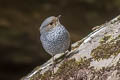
(51, 23)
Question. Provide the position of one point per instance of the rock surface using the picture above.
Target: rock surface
(95, 57)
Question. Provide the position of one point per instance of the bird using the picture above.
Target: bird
(54, 37)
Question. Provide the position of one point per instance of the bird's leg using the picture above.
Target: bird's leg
(65, 58)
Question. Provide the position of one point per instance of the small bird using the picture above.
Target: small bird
(54, 37)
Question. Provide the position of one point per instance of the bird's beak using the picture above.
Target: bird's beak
(58, 16)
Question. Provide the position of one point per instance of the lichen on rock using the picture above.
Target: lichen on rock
(107, 49)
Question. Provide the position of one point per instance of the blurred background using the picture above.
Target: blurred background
(20, 47)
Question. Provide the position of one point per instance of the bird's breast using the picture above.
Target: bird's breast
(57, 33)
(56, 41)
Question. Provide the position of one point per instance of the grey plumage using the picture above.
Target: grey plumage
(54, 37)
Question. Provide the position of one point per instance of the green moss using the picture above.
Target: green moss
(105, 39)
(106, 49)
(67, 69)
(46, 76)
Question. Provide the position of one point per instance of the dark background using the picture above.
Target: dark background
(20, 47)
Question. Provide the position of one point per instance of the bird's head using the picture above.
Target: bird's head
(49, 23)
